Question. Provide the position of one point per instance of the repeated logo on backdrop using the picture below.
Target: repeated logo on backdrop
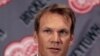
(4, 2)
(83, 6)
(32, 10)
(2, 35)
(25, 47)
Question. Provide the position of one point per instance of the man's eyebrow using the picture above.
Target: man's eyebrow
(46, 28)
(63, 29)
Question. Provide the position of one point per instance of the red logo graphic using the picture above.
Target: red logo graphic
(82, 6)
(27, 47)
(4, 2)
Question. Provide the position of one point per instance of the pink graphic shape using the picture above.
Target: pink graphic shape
(4, 2)
(26, 47)
(82, 6)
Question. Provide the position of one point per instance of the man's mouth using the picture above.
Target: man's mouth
(54, 50)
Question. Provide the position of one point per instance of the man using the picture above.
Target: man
(54, 27)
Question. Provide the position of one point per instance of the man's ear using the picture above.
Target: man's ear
(35, 37)
(71, 40)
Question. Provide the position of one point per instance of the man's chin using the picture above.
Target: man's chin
(53, 54)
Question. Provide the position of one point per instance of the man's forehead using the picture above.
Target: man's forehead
(54, 20)
(50, 16)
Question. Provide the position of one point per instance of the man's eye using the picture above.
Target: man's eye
(47, 31)
(63, 32)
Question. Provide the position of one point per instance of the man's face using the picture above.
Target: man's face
(54, 35)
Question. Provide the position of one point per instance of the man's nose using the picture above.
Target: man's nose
(56, 38)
